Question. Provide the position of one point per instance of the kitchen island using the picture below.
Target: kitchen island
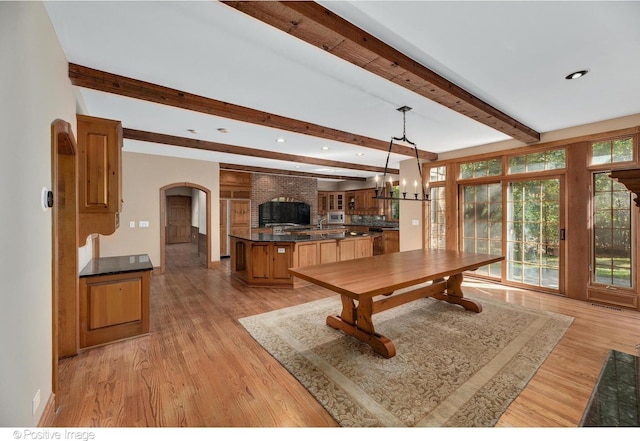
(264, 259)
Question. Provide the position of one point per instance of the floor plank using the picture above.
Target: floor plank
(198, 367)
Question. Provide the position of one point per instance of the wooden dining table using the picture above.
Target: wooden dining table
(374, 284)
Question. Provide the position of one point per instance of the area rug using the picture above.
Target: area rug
(453, 368)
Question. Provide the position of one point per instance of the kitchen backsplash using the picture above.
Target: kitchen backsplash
(372, 221)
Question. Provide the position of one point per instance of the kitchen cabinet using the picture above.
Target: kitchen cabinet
(391, 241)
(264, 261)
(114, 299)
(99, 176)
(330, 201)
(235, 218)
(336, 201)
(235, 185)
(372, 206)
(362, 202)
(323, 203)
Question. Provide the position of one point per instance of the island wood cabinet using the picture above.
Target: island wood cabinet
(99, 176)
(267, 263)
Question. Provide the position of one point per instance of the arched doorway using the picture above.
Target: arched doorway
(164, 193)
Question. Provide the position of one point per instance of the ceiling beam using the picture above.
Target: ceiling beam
(179, 141)
(82, 76)
(320, 27)
(273, 171)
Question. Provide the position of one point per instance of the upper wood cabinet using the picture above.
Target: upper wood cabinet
(362, 202)
(99, 176)
(323, 202)
(330, 201)
(235, 185)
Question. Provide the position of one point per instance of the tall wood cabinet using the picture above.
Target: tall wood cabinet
(99, 176)
(235, 206)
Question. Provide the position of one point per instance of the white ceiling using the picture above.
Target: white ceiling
(513, 55)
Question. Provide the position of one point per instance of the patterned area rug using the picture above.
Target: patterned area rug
(453, 368)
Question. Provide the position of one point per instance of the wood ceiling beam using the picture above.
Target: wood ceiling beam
(320, 27)
(179, 141)
(82, 76)
(273, 171)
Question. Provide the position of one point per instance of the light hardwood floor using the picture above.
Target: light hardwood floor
(199, 367)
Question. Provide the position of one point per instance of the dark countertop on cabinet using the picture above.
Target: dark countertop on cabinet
(383, 227)
(117, 265)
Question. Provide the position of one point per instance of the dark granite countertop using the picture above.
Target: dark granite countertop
(385, 226)
(117, 265)
(267, 237)
(615, 400)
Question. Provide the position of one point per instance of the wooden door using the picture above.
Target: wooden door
(178, 219)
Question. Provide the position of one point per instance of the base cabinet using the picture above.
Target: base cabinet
(113, 307)
(391, 241)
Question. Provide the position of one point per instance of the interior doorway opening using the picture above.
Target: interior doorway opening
(186, 225)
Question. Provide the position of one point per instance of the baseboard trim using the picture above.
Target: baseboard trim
(49, 413)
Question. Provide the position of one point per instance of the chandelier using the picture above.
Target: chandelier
(380, 193)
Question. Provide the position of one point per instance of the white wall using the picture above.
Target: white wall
(34, 91)
(142, 178)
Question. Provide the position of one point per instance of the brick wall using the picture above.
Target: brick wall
(267, 187)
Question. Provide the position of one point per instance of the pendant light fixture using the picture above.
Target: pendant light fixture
(380, 193)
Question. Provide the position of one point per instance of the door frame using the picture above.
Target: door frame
(162, 223)
(64, 218)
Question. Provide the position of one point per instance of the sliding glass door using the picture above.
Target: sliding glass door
(533, 233)
(526, 229)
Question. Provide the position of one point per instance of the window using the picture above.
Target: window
(437, 226)
(540, 161)
(612, 257)
(438, 174)
(478, 169)
(612, 151)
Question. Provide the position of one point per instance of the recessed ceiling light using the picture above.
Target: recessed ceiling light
(194, 131)
(360, 154)
(576, 75)
(223, 130)
(280, 140)
(325, 147)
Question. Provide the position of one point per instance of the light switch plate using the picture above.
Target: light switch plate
(415, 222)
(132, 224)
(143, 224)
